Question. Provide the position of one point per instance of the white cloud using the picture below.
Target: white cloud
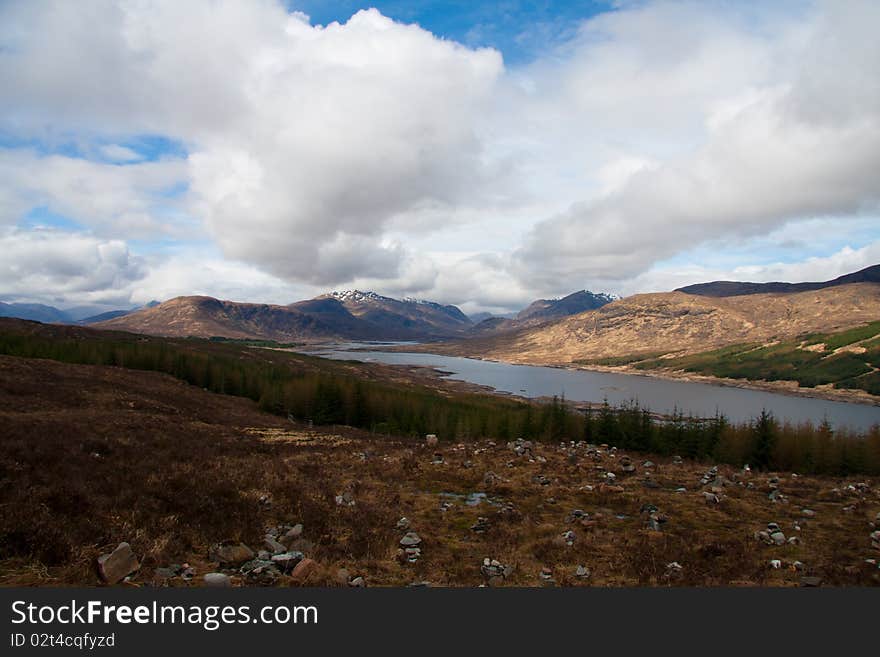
(375, 154)
(118, 153)
(52, 266)
(771, 154)
(122, 202)
(818, 268)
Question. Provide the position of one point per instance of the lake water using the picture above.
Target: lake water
(659, 395)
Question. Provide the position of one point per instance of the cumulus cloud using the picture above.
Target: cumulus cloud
(122, 202)
(52, 266)
(772, 154)
(372, 153)
(305, 140)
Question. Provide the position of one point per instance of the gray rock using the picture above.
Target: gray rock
(273, 546)
(582, 571)
(410, 539)
(217, 580)
(262, 573)
(403, 524)
(292, 534)
(778, 538)
(358, 583)
(118, 564)
(286, 561)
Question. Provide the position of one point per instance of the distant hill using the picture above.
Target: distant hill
(539, 312)
(574, 303)
(734, 288)
(673, 324)
(352, 315)
(35, 311)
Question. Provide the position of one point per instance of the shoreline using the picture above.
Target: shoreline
(790, 388)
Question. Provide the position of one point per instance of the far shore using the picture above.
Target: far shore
(826, 392)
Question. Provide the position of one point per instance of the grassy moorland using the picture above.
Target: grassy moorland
(844, 360)
(369, 397)
(94, 455)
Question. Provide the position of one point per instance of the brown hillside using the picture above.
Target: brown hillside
(209, 317)
(675, 322)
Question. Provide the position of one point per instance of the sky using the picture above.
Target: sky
(481, 154)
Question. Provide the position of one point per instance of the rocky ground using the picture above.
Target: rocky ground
(133, 478)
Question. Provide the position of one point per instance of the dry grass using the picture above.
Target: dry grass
(93, 456)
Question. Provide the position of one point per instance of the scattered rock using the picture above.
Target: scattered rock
(230, 553)
(116, 565)
(286, 561)
(345, 499)
(410, 539)
(674, 570)
(808, 513)
(292, 534)
(431, 440)
(260, 572)
(217, 580)
(358, 583)
(710, 475)
(304, 571)
(272, 545)
(494, 571)
(582, 572)
(481, 525)
(403, 524)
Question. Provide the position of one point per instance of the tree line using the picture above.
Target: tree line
(320, 391)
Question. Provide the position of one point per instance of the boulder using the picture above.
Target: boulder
(231, 553)
(305, 571)
(116, 565)
(217, 580)
(286, 561)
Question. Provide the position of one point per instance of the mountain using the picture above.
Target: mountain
(574, 303)
(337, 316)
(733, 288)
(35, 311)
(538, 312)
(102, 317)
(414, 316)
(676, 323)
(113, 314)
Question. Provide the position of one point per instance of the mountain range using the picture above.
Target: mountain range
(688, 320)
(580, 326)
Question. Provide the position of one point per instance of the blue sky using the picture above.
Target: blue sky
(522, 31)
(230, 149)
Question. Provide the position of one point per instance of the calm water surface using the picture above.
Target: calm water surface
(661, 396)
